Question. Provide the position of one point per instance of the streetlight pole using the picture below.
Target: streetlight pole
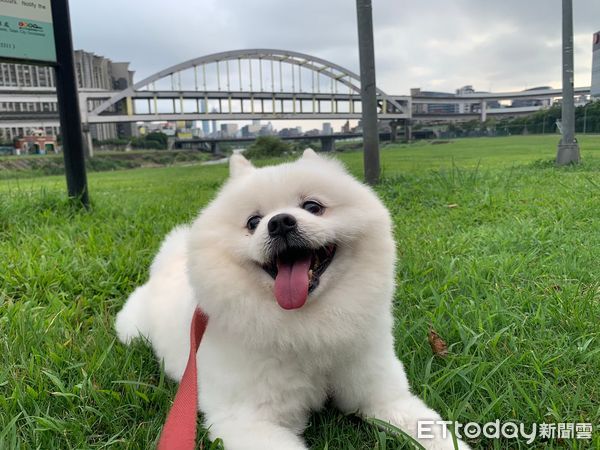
(368, 91)
(568, 148)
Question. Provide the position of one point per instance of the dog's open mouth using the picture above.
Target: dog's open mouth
(296, 272)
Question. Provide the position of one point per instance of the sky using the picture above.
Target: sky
(432, 44)
(441, 45)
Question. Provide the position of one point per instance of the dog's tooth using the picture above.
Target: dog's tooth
(310, 274)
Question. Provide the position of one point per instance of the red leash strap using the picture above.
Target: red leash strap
(179, 432)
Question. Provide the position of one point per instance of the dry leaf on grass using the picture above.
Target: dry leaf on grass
(438, 345)
(452, 205)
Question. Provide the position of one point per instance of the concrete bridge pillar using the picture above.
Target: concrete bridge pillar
(88, 143)
(483, 110)
(328, 144)
(172, 143)
(407, 130)
(214, 147)
(393, 130)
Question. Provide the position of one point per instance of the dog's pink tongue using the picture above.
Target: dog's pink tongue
(291, 283)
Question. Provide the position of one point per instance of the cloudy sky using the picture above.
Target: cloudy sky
(432, 44)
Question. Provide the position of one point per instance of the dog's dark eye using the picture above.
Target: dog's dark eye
(313, 207)
(253, 222)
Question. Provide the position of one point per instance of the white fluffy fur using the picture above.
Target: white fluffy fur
(262, 369)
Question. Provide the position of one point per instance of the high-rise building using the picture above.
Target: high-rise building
(543, 102)
(213, 123)
(205, 124)
(25, 76)
(252, 129)
(464, 108)
(595, 89)
(433, 107)
(327, 129)
(92, 71)
(229, 129)
(98, 72)
(266, 130)
(206, 127)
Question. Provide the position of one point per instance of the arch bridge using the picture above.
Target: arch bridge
(244, 85)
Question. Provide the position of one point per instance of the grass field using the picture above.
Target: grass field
(499, 253)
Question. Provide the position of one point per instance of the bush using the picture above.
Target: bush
(159, 137)
(140, 143)
(153, 141)
(113, 142)
(153, 145)
(267, 147)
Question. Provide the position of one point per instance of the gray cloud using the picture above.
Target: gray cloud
(433, 44)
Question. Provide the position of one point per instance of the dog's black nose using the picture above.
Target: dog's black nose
(281, 224)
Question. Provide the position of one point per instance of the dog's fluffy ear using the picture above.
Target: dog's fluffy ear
(239, 166)
(309, 153)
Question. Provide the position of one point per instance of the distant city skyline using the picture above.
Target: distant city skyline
(498, 46)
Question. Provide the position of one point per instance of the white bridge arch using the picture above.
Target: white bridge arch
(243, 85)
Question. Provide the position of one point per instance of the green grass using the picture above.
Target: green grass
(508, 276)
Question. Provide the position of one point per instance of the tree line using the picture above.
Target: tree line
(587, 120)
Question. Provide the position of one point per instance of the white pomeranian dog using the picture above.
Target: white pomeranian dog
(294, 265)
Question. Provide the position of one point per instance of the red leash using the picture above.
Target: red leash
(179, 432)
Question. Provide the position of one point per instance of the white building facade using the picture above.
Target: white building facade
(92, 71)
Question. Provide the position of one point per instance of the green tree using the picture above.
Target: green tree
(267, 147)
(157, 136)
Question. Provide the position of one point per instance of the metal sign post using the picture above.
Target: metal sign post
(568, 148)
(39, 32)
(368, 91)
(68, 104)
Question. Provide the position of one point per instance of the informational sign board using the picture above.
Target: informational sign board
(26, 31)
